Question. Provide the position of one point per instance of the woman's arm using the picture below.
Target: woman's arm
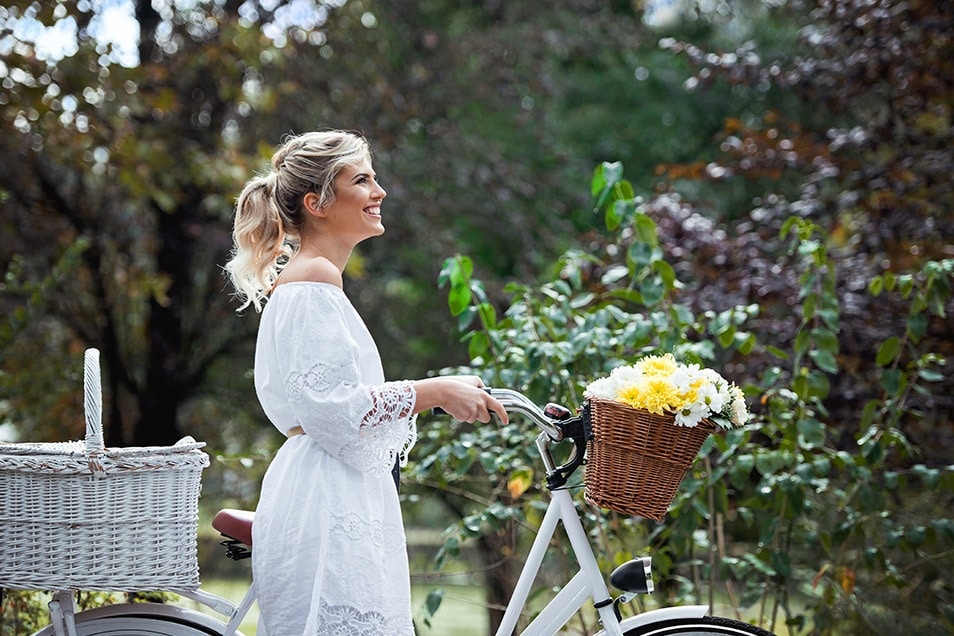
(462, 396)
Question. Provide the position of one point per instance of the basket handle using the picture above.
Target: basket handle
(93, 407)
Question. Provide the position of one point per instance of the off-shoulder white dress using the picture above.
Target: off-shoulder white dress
(329, 554)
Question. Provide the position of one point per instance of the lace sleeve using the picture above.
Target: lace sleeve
(367, 426)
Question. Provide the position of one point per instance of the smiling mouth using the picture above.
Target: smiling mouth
(374, 211)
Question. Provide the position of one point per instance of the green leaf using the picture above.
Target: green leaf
(760, 565)
(666, 273)
(891, 480)
(830, 317)
(917, 326)
(612, 218)
(771, 462)
(930, 375)
(457, 270)
(812, 384)
(458, 299)
(646, 229)
(782, 562)
(641, 253)
(466, 318)
(727, 336)
(825, 339)
(812, 433)
(612, 171)
(930, 476)
(598, 183)
(893, 381)
(888, 351)
(746, 344)
(915, 536)
(614, 274)
(740, 470)
(824, 359)
(488, 315)
(477, 345)
(652, 291)
(433, 601)
(905, 284)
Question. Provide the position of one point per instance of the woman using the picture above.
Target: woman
(329, 549)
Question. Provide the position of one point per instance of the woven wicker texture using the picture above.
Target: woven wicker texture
(77, 516)
(636, 459)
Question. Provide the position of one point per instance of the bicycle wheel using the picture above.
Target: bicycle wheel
(143, 619)
(140, 626)
(702, 626)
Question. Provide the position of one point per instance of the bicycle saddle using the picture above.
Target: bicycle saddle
(235, 524)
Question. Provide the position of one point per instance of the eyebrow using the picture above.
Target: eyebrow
(363, 174)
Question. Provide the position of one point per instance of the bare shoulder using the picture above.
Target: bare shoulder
(316, 269)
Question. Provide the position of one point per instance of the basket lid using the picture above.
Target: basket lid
(78, 448)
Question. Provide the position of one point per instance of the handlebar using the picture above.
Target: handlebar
(557, 424)
(519, 403)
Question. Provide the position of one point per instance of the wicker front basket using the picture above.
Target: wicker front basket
(77, 516)
(636, 460)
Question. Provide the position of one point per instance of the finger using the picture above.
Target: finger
(501, 412)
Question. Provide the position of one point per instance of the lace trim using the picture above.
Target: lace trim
(392, 402)
(334, 620)
(356, 530)
(321, 377)
(386, 428)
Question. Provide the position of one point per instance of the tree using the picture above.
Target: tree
(128, 167)
(866, 164)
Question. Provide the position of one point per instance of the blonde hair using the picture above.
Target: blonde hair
(269, 212)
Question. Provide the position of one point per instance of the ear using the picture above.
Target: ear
(313, 205)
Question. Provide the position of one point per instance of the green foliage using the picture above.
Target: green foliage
(780, 517)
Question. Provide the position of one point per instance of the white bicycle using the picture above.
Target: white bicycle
(586, 588)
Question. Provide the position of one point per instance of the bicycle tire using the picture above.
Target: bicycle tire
(702, 626)
(141, 626)
(143, 619)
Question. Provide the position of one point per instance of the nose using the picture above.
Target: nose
(379, 191)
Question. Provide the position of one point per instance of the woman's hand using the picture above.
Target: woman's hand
(462, 396)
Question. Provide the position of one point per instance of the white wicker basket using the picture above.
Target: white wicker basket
(78, 516)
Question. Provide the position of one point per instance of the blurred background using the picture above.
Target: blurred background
(130, 126)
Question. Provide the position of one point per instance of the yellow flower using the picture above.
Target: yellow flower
(655, 395)
(663, 386)
(663, 365)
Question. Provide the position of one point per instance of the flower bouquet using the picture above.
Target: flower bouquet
(648, 422)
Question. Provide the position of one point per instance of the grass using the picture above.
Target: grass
(461, 613)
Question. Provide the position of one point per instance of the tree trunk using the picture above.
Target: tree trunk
(168, 376)
(496, 551)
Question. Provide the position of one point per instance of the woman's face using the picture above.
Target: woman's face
(355, 212)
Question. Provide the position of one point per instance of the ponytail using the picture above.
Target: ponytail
(261, 243)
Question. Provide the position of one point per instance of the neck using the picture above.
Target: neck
(320, 245)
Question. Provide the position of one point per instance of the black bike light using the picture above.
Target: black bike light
(635, 576)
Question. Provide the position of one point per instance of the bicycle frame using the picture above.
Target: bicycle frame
(587, 583)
